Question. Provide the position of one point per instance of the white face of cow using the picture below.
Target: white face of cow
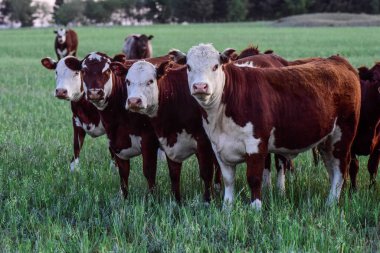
(142, 88)
(61, 35)
(205, 75)
(68, 80)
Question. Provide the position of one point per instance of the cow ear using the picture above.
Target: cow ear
(150, 37)
(118, 69)
(269, 51)
(365, 73)
(48, 63)
(227, 55)
(73, 63)
(55, 31)
(119, 58)
(161, 69)
(177, 56)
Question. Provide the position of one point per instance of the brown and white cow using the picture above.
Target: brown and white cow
(252, 111)
(138, 46)
(66, 43)
(130, 134)
(367, 139)
(159, 93)
(85, 119)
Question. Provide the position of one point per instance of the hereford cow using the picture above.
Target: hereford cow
(138, 46)
(86, 119)
(158, 93)
(367, 139)
(249, 112)
(66, 43)
(129, 134)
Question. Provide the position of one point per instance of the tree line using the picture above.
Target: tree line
(166, 11)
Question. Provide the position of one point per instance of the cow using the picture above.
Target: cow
(367, 139)
(66, 43)
(85, 117)
(249, 112)
(138, 46)
(130, 134)
(158, 93)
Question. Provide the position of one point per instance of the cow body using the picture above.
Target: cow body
(253, 111)
(138, 46)
(367, 139)
(85, 117)
(180, 132)
(66, 43)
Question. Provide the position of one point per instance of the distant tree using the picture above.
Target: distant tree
(220, 10)
(20, 11)
(69, 12)
(42, 10)
(100, 11)
(237, 10)
(57, 5)
(160, 11)
(193, 10)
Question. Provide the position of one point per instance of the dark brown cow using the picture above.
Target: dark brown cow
(66, 43)
(158, 93)
(129, 134)
(252, 111)
(86, 119)
(138, 46)
(367, 139)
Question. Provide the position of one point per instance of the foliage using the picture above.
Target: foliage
(20, 11)
(69, 12)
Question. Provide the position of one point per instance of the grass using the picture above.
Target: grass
(45, 208)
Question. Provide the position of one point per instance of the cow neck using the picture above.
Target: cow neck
(115, 99)
(370, 114)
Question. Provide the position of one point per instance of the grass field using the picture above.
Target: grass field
(45, 208)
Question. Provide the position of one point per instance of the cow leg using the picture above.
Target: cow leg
(175, 177)
(228, 173)
(255, 168)
(113, 164)
(267, 179)
(149, 158)
(373, 163)
(206, 169)
(124, 168)
(79, 135)
(354, 168)
(217, 174)
(315, 156)
(281, 163)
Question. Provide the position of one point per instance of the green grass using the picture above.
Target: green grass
(44, 208)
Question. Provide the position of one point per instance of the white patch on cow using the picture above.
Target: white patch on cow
(281, 178)
(62, 53)
(139, 75)
(74, 165)
(267, 179)
(133, 151)
(91, 129)
(61, 34)
(95, 56)
(185, 146)
(69, 80)
(102, 104)
(106, 67)
(256, 205)
(245, 65)
(161, 156)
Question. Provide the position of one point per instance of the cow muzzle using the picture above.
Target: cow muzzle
(95, 94)
(134, 104)
(61, 93)
(200, 89)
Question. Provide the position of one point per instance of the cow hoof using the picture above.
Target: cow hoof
(74, 165)
(256, 205)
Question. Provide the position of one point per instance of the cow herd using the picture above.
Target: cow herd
(224, 107)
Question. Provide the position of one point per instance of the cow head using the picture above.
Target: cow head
(143, 44)
(68, 82)
(371, 76)
(61, 35)
(204, 70)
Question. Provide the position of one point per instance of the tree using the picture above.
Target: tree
(99, 12)
(193, 10)
(42, 11)
(57, 5)
(160, 11)
(20, 11)
(69, 12)
(237, 10)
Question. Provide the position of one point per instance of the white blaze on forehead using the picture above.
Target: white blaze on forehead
(141, 71)
(69, 80)
(95, 56)
(61, 32)
(202, 56)
(245, 64)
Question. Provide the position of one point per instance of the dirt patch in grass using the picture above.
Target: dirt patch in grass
(329, 19)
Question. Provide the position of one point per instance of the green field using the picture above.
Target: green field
(45, 208)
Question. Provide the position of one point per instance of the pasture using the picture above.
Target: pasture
(45, 208)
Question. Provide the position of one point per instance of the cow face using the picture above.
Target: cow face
(61, 35)
(204, 70)
(68, 82)
(143, 44)
(371, 76)
(141, 83)
(97, 78)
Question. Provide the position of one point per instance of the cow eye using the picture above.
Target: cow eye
(150, 81)
(127, 82)
(188, 68)
(215, 67)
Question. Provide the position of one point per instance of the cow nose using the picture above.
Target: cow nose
(95, 94)
(134, 102)
(61, 93)
(200, 87)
